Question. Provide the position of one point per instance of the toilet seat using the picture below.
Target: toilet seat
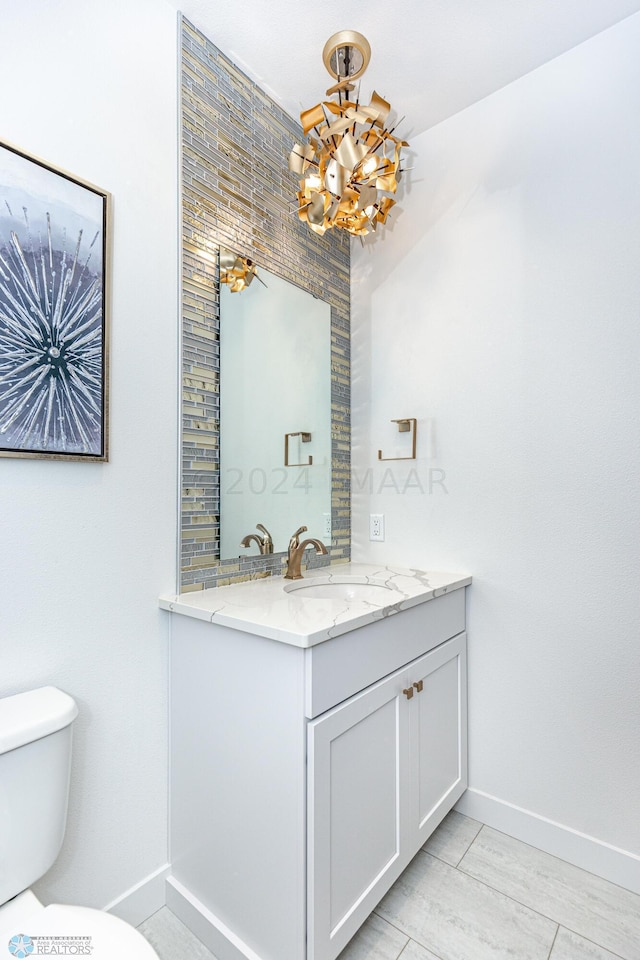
(79, 931)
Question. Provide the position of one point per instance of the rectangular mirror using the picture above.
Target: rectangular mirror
(275, 413)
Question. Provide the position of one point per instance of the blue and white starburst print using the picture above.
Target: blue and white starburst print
(51, 357)
(51, 326)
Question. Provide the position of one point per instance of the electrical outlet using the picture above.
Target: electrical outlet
(326, 526)
(376, 526)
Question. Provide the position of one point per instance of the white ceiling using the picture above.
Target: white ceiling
(430, 58)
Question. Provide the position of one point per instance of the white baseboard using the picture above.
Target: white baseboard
(207, 927)
(611, 863)
(140, 902)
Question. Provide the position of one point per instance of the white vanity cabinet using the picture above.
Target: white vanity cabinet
(383, 769)
(303, 778)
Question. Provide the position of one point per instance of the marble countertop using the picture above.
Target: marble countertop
(265, 608)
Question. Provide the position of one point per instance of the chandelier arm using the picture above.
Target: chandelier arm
(302, 157)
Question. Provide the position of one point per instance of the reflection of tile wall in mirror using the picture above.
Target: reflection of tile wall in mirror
(275, 380)
(237, 193)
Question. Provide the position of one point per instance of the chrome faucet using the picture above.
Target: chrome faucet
(265, 543)
(296, 550)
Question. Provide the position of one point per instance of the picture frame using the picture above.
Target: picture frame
(54, 317)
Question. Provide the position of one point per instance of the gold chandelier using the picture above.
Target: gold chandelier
(350, 169)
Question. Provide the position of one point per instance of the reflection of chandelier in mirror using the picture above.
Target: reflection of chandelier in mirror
(350, 168)
(237, 271)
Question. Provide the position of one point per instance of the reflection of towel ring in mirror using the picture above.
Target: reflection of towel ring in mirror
(404, 425)
(305, 437)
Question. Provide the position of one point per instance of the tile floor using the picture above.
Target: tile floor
(475, 894)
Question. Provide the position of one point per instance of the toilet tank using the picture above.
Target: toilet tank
(35, 764)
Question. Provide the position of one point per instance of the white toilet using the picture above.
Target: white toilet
(35, 764)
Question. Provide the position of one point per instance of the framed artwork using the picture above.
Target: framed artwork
(53, 312)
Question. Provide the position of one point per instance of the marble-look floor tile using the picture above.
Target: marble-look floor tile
(602, 912)
(458, 918)
(413, 951)
(375, 940)
(569, 946)
(453, 838)
(171, 939)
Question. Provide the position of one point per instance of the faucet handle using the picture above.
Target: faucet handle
(294, 541)
(267, 541)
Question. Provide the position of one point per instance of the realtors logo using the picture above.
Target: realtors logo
(22, 946)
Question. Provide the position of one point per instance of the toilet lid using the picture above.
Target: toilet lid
(64, 930)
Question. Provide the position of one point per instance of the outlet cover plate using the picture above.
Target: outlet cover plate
(376, 526)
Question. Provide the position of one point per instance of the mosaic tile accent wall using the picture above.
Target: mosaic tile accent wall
(237, 191)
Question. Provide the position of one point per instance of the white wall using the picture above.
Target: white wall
(86, 548)
(503, 311)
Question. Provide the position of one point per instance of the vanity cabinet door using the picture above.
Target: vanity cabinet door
(438, 764)
(383, 770)
(357, 769)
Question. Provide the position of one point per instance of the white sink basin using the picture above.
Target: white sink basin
(375, 591)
